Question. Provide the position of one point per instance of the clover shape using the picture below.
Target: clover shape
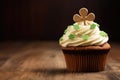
(83, 16)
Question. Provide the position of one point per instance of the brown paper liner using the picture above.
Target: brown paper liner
(85, 60)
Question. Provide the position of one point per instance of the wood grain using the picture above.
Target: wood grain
(43, 60)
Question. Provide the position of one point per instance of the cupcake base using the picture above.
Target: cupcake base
(79, 59)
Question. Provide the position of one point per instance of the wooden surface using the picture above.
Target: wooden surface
(45, 61)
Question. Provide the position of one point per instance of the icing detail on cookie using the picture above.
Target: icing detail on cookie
(84, 16)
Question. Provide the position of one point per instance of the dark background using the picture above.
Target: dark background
(46, 19)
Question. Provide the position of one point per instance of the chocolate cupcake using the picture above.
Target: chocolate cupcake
(84, 45)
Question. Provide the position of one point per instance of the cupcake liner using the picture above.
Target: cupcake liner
(85, 60)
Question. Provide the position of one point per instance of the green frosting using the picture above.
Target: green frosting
(104, 34)
(65, 31)
(85, 37)
(76, 27)
(71, 36)
(92, 26)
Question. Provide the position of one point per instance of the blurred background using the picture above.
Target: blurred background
(47, 19)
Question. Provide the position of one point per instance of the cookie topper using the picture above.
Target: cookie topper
(83, 16)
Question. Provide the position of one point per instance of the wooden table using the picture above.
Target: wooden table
(43, 60)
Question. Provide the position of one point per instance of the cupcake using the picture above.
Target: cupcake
(84, 45)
